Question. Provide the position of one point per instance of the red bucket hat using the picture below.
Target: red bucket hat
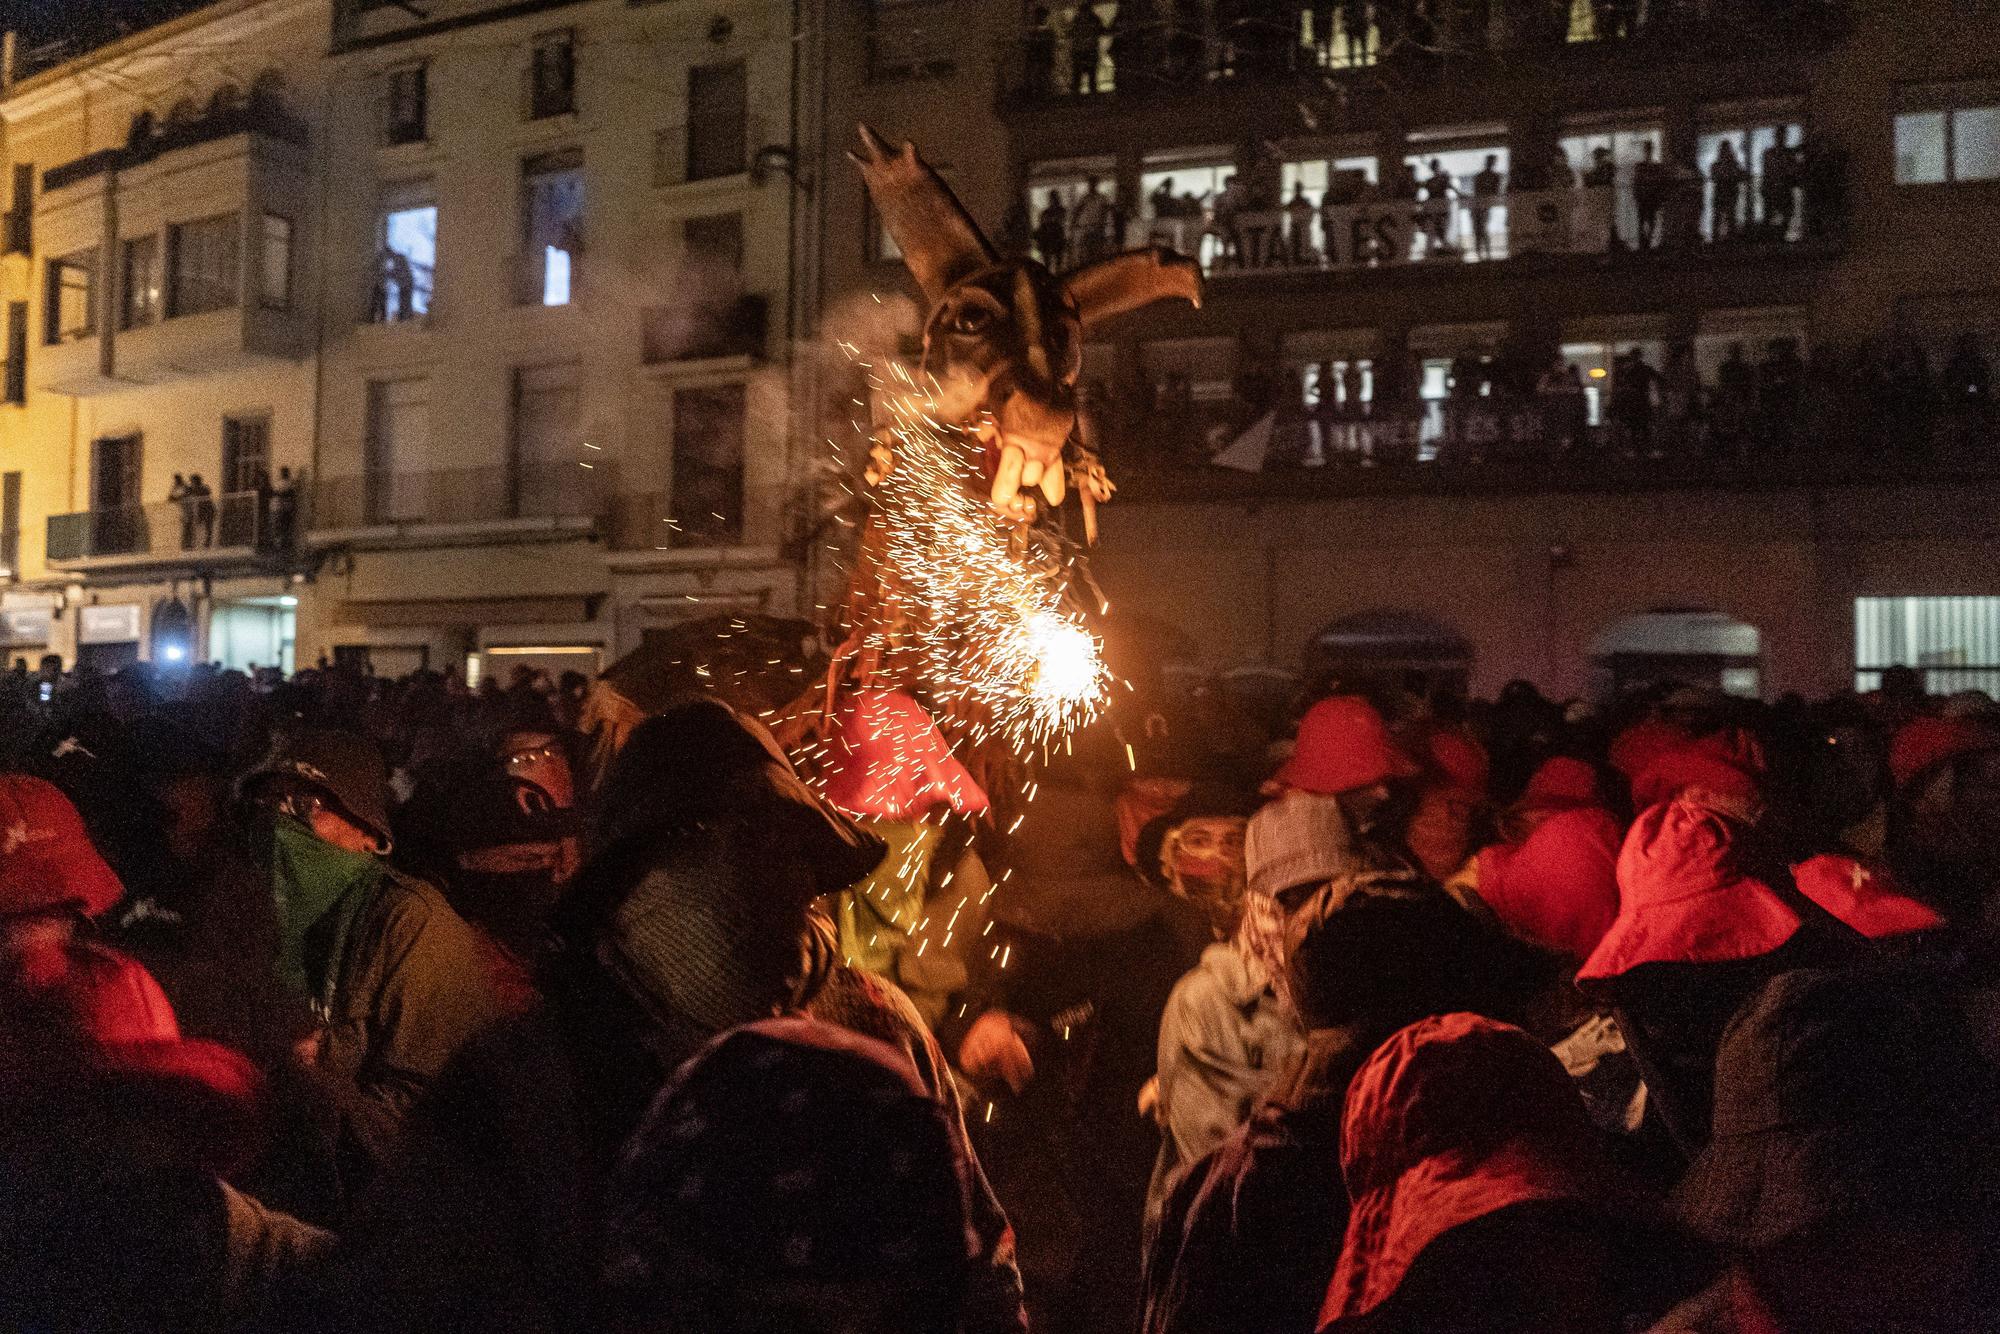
(46, 857)
(1682, 897)
(1924, 743)
(1343, 744)
(1454, 1118)
(1558, 889)
(1457, 763)
(885, 758)
(1633, 749)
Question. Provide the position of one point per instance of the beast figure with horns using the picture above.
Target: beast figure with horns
(992, 410)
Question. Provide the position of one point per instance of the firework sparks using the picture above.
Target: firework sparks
(993, 626)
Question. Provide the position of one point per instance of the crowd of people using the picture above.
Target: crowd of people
(1082, 50)
(341, 1004)
(1524, 405)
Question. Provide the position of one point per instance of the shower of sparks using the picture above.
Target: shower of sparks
(996, 632)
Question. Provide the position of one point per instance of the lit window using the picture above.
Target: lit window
(407, 264)
(1957, 144)
(552, 228)
(1953, 641)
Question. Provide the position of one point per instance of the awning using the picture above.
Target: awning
(466, 611)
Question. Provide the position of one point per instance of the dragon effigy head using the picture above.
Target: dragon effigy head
(1003, 342)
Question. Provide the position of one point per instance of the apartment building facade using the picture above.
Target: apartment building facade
(492, 367)
(1532, 332)
(159, 280)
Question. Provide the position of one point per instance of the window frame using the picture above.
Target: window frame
(131, 314)
(1948, 111)
(553, 50)
(226, 281)
(412, 79)
(55, 333)
(233, 425)
(415, 197)
(711, 164)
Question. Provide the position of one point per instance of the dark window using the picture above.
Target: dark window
(203, 263)
(139, 287)
(718, 121)
(10, 525)
(408, 120)
(551, 228)
(246, 452)
(552, 76)
(17, 352)
(114, 472)
(714, 243)
(18, 239)
(708, 466)
(72, 297)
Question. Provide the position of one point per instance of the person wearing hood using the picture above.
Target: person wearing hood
(695, 914)
(1246, 1237)
(918, 919)
(394, 979)
(753, 1196)
(1484, 1201)
(113, 1127)
(1224, 1032)
(1707, 911)
(1849, 1179)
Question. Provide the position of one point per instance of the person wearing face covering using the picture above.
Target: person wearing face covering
(1224, 1033)
(695, 914)
(392, 976)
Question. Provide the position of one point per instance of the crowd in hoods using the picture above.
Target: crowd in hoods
(343, 1004)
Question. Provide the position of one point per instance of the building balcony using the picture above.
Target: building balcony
(1541, 443)
(1594, 225)
(238, 528)
(568, 492)
(733, 327)
(1159, 59)
(256, 116)
(175, 349)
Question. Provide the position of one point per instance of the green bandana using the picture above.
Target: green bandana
(319, 889)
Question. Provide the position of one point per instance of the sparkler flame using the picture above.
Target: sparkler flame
(993, 626)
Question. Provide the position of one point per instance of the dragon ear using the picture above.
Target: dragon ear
(940, 242)
(1126, 282)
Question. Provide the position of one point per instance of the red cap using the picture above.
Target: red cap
(1866, 900)
(1560, 784)
(1926, 742)
(1343, 745)
(885, 758)
(46, 857)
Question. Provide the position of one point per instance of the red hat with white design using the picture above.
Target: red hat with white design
(47, 860)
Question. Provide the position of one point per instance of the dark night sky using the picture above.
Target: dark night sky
(40, 21)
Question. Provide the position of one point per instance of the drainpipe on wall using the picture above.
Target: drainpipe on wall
(107, 271)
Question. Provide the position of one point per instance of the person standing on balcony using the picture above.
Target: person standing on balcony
(204, 510)
(1052, 230)
(1486, 187)
(260, 482)
(1780, 181)
(1726, 175)
(1039, 51)
(1439, 192)
(1089, 221)
(1086, 48)
(1299, 213)
(177, 494)
(1127, 30)
(1357, 29)
(1634, 386)
(284, 509)
(1651, 183)
(1729, 406)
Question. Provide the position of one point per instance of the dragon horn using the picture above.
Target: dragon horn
(1126, 282)
(940, 242)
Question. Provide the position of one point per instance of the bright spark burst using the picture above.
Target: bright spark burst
(995, 629)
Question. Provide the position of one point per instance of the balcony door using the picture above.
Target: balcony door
(117, 522)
